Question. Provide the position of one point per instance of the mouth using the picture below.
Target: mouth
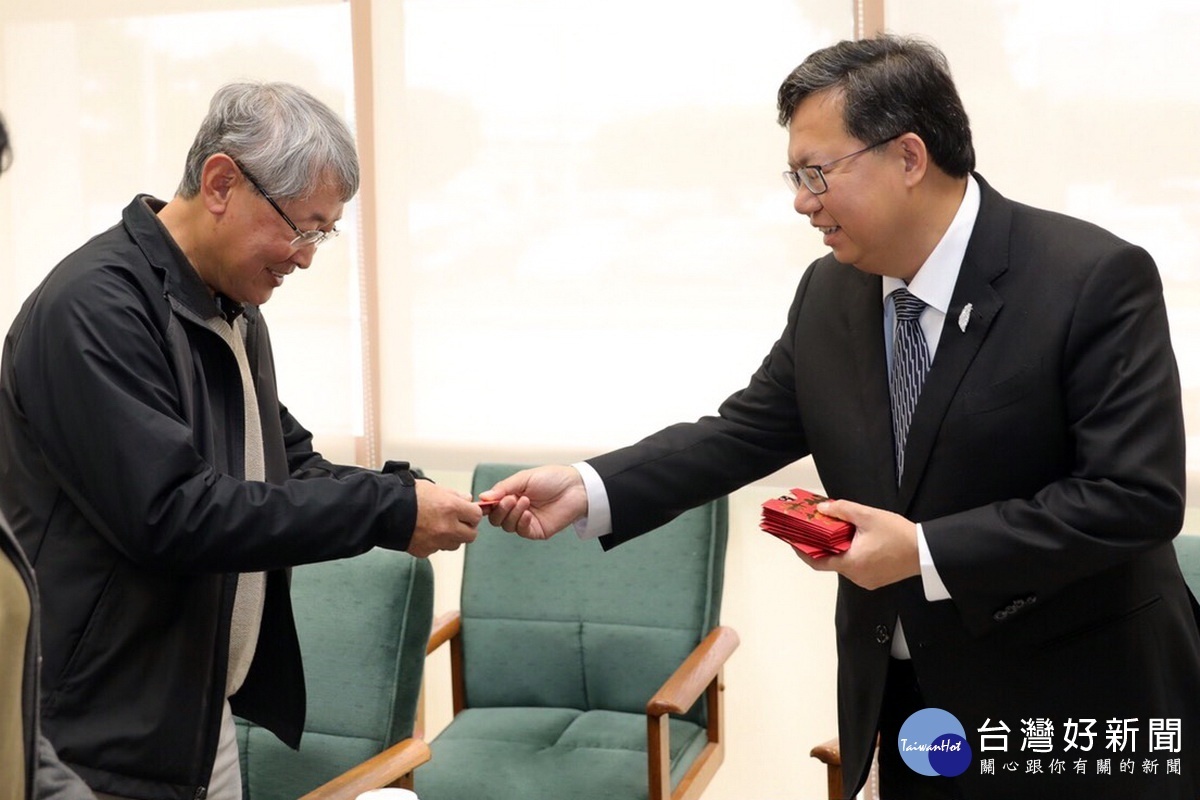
(280, 274)
(830, 230)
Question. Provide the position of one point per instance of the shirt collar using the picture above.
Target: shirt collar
(230, 309)
(934, 281)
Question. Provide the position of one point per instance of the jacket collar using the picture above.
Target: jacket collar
(181, 283)
(973, 308)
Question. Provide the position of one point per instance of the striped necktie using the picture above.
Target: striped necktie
(910, 362)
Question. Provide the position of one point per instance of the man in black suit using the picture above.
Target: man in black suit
(1013, 562)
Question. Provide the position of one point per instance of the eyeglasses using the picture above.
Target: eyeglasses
(813, 178)
(303, 238)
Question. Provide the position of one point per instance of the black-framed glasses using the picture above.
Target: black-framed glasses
(813, 177)
(302, 238)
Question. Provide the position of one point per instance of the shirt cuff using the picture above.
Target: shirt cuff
(931, 581)
(598, 521)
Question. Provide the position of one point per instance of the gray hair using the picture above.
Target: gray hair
(289, 141)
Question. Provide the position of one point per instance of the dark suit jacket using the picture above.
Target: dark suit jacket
(1045, 461)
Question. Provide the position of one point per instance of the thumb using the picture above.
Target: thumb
(846, 510)
(513, 484)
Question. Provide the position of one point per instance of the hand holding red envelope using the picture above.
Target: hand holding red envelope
(795, 520)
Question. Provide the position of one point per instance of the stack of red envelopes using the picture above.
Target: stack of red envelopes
(795, 519)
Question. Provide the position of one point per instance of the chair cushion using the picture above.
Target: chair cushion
(549, 754)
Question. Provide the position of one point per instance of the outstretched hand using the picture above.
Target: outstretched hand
(882, 552)
(538, 503)
(446, 520)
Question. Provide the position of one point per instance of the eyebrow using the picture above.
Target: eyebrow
(795, 164)
(320, 220)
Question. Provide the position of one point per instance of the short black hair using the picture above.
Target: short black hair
(890, 85)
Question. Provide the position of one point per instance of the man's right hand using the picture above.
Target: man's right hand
(538, 503)
(446, 520)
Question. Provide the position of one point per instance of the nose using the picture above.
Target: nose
(303, 257)
(806, 202)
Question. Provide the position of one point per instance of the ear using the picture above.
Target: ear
(916, 158)
(218, 176)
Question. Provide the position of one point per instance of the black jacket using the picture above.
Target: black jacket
(121, 438)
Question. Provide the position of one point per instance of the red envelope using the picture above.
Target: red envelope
(794, 519)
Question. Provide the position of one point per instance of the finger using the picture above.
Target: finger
(498, 515)
(842, 509)
(507, 515)
(470, 514)
(824, 564)
(528, 527)
(503, 506)
(513, 484)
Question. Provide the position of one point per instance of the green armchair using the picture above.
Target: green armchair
(364, 624)
(583, 674)
(1187, 549)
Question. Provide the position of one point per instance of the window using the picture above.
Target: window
(588, 232)
(102, 102)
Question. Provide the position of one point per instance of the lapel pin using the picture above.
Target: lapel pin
(964, 318)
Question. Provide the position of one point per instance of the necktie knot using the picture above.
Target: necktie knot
(908, 305)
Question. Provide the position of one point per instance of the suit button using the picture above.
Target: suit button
(882, 634)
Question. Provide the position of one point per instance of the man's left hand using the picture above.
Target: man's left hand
(882, 552)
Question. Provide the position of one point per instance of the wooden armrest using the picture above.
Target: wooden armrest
(445, 628)
(385, 769)
(829, 752)
(699, 669)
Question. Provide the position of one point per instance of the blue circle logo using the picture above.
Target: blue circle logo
(933, 742)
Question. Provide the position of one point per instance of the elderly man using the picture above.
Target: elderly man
(156, 482)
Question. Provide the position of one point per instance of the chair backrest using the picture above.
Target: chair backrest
(363, 624)
(596, 630)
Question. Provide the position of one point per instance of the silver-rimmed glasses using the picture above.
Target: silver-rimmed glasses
(303, 238)
(813, 177)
